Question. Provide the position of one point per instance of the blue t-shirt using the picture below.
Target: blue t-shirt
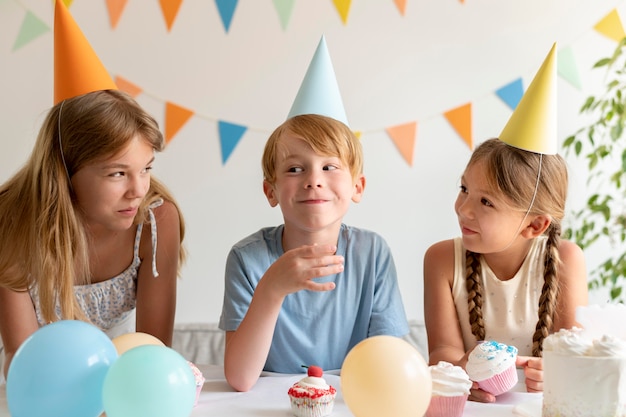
(319, 328)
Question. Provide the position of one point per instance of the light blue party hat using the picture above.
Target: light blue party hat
(319, 92)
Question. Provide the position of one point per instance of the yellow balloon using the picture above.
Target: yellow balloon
(130, 340)
(385, 376)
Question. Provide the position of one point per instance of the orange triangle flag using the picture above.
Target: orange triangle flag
(401, 5)
(611, 26)
(170, 10)
(132, 89)
(404, 138)
(77, 68)
(461, 120)
(116, 7)
(175, 118)
(343, 7)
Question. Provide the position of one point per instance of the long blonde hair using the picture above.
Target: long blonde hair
(43, 243)
(513, 173)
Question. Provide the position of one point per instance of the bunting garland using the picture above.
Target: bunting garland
(230, 134)
(170, 11)
(511, 93)
(284, 9)
(226, 9)
(116, 8)
(32, 27)
(461, 120)
(404, 136)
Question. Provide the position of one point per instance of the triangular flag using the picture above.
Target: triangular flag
(611, 26)
(175, 118)
(32, 27)
(230, 134)
(404, 138)
(567, 68)
(401, 5)
(227, 10)
(343, 7)
(77, 68)
(532, 126)
(511, 93)
(116, 7)
(461, 120)
(123, 84)
(284, 9)
(170, 10)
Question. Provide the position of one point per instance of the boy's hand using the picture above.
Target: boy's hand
(533, 371)
(296, 268)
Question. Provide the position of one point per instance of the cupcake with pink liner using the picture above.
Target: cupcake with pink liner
(312, 396)
(451, 387)
(492, 365)
(197, 374)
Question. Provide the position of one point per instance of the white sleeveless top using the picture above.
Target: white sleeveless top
(509, 307)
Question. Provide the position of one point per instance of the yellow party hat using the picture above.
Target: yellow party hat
(532, 126)
(77, 68)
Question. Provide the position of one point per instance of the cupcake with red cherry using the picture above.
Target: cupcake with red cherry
(312, 396)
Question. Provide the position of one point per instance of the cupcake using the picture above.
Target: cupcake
(199, 380)
(451, 387)
(492, 365)
(312, 396)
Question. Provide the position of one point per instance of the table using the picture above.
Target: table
(268, 398)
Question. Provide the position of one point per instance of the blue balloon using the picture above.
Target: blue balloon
(59, 371)
(149, 381)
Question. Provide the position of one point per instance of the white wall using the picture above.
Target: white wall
(392, 69)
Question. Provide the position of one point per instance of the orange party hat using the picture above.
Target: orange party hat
(532, 126)
(77, 68)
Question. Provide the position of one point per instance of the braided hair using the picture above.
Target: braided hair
(513, 172)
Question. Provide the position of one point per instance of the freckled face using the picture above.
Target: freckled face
(314, 191)
(109, 191)
(487, 222)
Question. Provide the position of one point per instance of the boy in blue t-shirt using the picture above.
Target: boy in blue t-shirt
(307, 291)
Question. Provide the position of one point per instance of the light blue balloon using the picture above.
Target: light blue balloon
(149, 381)
(59, 371)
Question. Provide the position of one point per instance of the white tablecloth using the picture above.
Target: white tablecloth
(269, 398)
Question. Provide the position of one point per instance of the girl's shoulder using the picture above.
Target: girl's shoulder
(441, 249)
(166, 212)
(439, 260)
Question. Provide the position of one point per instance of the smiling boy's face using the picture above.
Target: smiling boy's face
(314, 191)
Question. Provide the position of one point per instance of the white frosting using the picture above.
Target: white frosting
(567, 342)
(449, 380)
(489, 359)
(311, 382)
(584, 377)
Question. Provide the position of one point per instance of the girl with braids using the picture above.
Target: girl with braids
(79, 221)
(510, 277)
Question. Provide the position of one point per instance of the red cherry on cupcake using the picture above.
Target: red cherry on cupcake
(315, 371)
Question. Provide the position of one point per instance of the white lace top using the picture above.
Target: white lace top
(110, 304)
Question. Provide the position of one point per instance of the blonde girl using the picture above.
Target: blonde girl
(509, 277)
(79, 221)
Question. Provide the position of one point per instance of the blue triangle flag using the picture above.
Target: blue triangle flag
(230, 135)
(227, 10)
(511, 93)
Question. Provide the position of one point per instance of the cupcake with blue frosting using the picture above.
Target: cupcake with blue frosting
(492, 365)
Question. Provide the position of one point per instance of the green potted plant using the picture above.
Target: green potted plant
(601, 222)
